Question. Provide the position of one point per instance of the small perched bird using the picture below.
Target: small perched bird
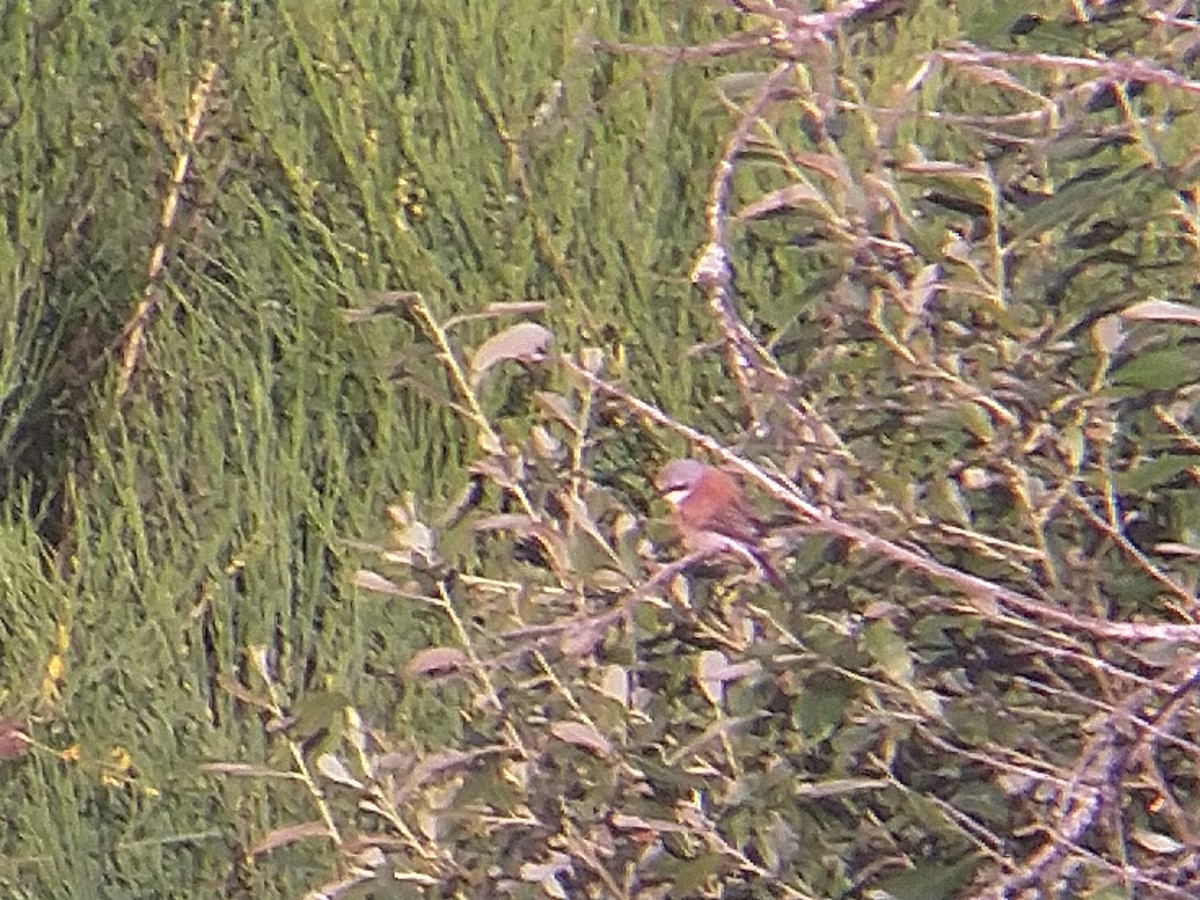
(712, 514)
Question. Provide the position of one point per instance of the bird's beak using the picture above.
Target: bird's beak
(675, 496)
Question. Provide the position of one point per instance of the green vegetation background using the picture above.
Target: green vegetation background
(345, 152)
(151, 537)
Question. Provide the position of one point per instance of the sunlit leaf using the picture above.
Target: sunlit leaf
(335, 770)
(583, 736)
(790, 197)
(546, 874)
(436, 660)
(1155, 841)
(614, 683)
(372, 581)
(526, 342)
(712, 685)
(1108, 334)
(1162, 311)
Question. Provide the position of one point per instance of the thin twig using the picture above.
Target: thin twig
(135, 328)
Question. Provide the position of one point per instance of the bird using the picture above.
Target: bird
(712, 514)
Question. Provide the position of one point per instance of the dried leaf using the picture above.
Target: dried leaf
(519, 524)
(244, 694)
(546, 874)
(783, 199)
(1161, 311)
(940, 167)
(714, 671)
(930, 703)
(835, 787)
(434, 767)
(1108, 334)
(712, 685)
(614, 683)
(881, 609)
(984, 603)
(1172, 548)
(439, 660)
(416, 541)
(544, 444)
(14, 740)
(829, 166)
(974, 478)
(335, 770)
(608, 580)
(394, 761)
(489, 443)
(370, 581)
(622, 822)
(355, 731)
(243, 770)
(583, 736)
(526, 341)
(998, 78)
(258, 659)
(281, 837)
(410, 536)
(371, 858)
(577, 642)
(558, 407)
(920, 292)
(592, 359)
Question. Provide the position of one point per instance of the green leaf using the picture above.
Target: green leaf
(890, 651)
(693, 874)
(977, 421)
(819, 710)
(1154, 472)
(1083, 196)
(929, 882)
(318, 712)
(1164, 370)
